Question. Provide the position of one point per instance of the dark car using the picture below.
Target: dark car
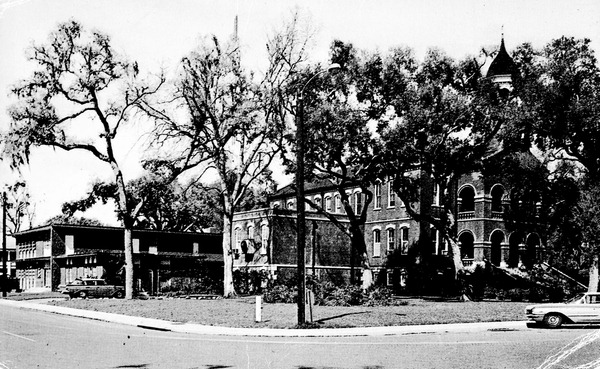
(92, 287)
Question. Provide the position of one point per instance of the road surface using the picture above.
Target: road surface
(34, 339)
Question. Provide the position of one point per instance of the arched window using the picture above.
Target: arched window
(467, 197)
(317, 201)
(290, 205)
(497, 195)
(377, 196)
(466, 240)
(403, 240)
(338, 204)
(376, 243)
(328, 203)
(251, 232)
(391, 239)
(391, 195)
(237, 235)
(357, 203)
(497, 238)
(264, 239)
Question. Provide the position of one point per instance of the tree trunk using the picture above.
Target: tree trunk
(360, 247)
(128, 242)
(367, 273)
(456, 259)
(593, 281)
(228, 287)
(128, 227)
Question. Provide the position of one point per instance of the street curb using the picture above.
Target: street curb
(191, 328)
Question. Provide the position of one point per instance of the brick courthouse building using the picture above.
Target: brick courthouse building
(266, 238)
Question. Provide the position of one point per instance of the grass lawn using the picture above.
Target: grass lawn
(240, 312)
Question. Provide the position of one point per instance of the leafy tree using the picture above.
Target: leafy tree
(172, 207)
(71, 220)
(165, 204)
(233, 123)
(339, 146)
(563, 97)
(438, 120)
(78, 100)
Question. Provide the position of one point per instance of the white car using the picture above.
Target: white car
(581, 309)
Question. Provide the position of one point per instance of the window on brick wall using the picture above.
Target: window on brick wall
(357, 203)
(317, 202)
(237, 239)
(377, 199)
(403, 277)
(391, 195)
(328, 203)
(264, 239)
(338, 204)
(404, 240)
(435, 241)
(436, 194)
(391, 239)
(251, 232)
(376, 243)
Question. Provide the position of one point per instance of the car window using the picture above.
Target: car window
(100, 282)
(77, 282)
(89, 283)
(594, 299)
(577, 299)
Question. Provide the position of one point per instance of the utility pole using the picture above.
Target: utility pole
(4, 253)
(300, 208)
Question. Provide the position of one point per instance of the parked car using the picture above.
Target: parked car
(581, 309)
(92, 287)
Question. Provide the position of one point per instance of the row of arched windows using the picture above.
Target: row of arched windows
(516, 241)
(519, 200)
(239, 236)
(392, 241)
(330, 203)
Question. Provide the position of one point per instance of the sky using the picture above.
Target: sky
(158, 33)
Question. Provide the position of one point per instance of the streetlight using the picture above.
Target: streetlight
(300, 208)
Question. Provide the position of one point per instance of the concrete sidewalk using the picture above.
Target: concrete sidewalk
(193, 328)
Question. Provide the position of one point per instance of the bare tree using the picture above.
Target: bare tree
(235, 121)
(81, 84)
(20, 210)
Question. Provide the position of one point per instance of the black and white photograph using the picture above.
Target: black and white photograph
(262, 184)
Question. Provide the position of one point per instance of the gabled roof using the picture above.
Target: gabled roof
(502, 64)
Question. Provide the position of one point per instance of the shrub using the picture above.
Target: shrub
(327, 293)
(518, 294)
(381, 296)
(247, 282)
(280, 293)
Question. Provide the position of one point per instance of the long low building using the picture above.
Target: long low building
(58, 253)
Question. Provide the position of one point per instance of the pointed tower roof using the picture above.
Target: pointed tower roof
(502, 64)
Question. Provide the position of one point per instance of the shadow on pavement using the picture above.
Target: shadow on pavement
(340, 316)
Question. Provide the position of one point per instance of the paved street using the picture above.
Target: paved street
(30, 339)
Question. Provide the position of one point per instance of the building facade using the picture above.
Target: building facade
(56, 254)
(482, 209)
